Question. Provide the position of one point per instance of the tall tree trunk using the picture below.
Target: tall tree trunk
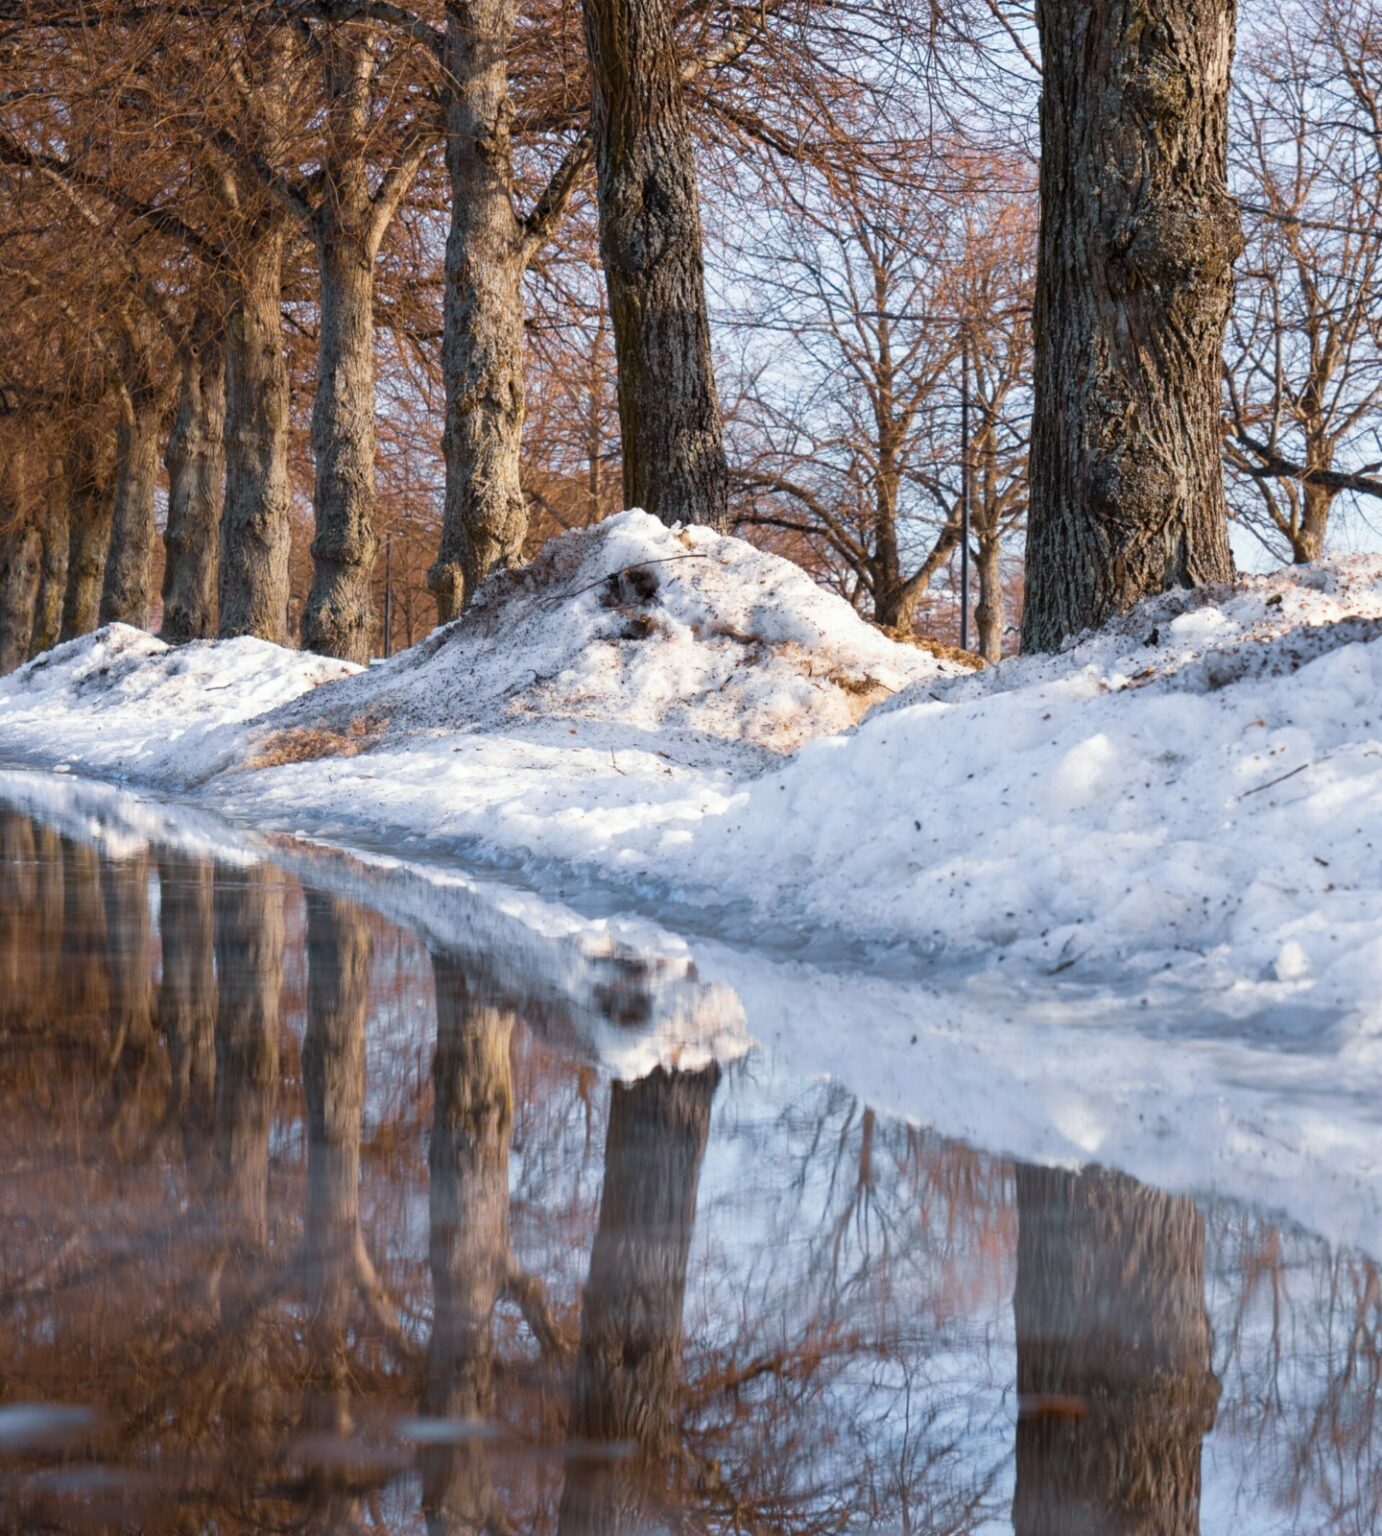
(333, 1079)
(21, 569)
(1134, 282)
(187, 997)
(91, 509)
(256, 522)
(1115, 1387)
(988, 614)
(630, 1349)
(650, 242)
(486, 517)
(468, 1199)
(52, 582)
(195, 461)
(339, 617)
(125, 589)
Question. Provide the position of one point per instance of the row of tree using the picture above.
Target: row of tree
(256, 251)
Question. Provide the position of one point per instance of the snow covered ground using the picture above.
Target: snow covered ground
(1121, 904)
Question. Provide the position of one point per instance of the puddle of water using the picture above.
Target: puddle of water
(312, 1221)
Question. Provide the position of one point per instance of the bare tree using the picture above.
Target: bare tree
(1303, 371)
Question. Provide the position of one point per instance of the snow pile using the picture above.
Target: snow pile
(1196, 791)
(709, 650)
(121, 701)
(1200, 782)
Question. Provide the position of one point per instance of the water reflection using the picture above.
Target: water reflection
(307, 1223)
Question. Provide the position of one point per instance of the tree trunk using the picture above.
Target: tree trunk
(339, 617)
(1308, 544)
(195, 461)
(187, 997)
(650, 243)
(256, 522)
(630, 1350)
(333, 1080)
(129, 558)
(248, 918)
(52, 581)
(21, 570)
(91, 510)
(1115, 1388)
(485, 518)
(468, 1199)
(1134, 282)
(988, 615)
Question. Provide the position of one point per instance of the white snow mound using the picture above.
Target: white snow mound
(119, 700)
(720, 652)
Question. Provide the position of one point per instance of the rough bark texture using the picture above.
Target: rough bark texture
(650, 242)
(255, 523)
(52, 582)
(339, 617)
(187, 997)
(469, 1246)
(1134, 283)
(1115, 1389)
(125, 589)
(91, 509)
(195, 460)
(485, 517)
(21, 571)
(630, 1349)
(249, 935)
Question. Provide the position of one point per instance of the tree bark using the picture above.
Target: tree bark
(1308, 544)
(256, 521)
(52, 582)
(486, 517)
(92, 508)
(630, 1350)
(195, 461)
(468, 1198)
(21, 570)
(988, 614)
(339, 617)
(650, 243)
(1134, 283)
(1115, 1387)
(125, 589)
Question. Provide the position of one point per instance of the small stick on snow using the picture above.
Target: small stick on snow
(1272, 782)
(614, 764)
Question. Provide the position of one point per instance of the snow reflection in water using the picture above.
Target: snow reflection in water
(311, 1221)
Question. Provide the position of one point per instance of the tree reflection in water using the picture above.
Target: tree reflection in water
(291, 1259)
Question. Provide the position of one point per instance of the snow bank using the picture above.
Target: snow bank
(1195, 793)
(694, 645)
(119, 701)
